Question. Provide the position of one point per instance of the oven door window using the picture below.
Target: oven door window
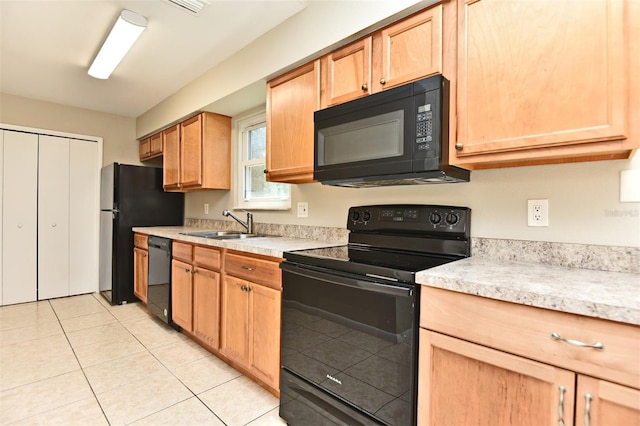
(354, 339)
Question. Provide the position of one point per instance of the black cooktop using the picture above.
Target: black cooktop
(373, 262)
(394, 242)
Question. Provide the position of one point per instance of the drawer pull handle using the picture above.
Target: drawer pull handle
(587, 409)
(247, 268)
(562, 390)
(598, 346)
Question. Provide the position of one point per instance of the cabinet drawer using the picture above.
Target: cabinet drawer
(526, 331)
(182, 251)
(259, 271)
(140, 241)
(206, 257)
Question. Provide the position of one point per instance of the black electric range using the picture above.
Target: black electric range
(350, 315)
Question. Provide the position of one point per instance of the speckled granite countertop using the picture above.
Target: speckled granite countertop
(609, 295)
(267, 246)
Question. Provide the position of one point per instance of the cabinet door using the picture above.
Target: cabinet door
(53, 217)
(145, 149)
(155, 144)
(599, 402)
(346, 73)
(182, 294)
(291, 102)
(171, 160)
(19, 217)
(84, 190)
(408, 50)
(539, 74)
(462, 383)
(191, 152)
(206, 306)
(264, 326)
(140, 274)
(234, 324)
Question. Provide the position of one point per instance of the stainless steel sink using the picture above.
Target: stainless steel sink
(211, 234)
(224, 235)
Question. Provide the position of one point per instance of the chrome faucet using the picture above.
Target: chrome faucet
(248, 224)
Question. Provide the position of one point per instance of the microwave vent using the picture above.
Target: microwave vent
(450, 174)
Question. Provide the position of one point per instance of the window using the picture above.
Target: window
(253, 190)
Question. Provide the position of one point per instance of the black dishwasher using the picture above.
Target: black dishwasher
(159, 292)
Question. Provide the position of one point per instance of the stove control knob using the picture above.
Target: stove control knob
(366, 216)
(355, 215)
(451, 218)
(435, 218)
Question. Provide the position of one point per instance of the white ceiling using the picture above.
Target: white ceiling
(46, 47)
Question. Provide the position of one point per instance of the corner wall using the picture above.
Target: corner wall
(118, 132)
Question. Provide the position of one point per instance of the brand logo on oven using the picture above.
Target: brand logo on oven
(334, 379)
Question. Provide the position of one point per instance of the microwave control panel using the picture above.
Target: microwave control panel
(427, 107)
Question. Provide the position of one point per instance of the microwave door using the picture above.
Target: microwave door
(370, 141)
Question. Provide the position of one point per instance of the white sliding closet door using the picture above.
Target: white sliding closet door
(19, 217)
(53, 217)
(84, 175)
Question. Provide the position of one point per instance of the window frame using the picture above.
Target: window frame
(243, 124)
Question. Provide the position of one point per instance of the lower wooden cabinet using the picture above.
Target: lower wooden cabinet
(182, 294)
(140, 274)
(206, 306)
(195, 291)
(600, 403)
(140, 267)
(484, 361)
(462, 383)
(250, 325)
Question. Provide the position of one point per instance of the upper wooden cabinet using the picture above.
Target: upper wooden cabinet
(198, 153)
(151, 147)
(542, 81)
(291, 101)
(405, 51)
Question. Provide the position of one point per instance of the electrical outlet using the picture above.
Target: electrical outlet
(538, 212)
(303, 209)
(206, 208)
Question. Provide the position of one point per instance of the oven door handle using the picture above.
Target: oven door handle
(377, 287)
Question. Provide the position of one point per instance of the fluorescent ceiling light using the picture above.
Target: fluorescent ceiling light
(124, 33)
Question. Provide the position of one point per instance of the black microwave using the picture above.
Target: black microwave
(399, 136)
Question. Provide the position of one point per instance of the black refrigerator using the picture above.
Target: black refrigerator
(130, 196)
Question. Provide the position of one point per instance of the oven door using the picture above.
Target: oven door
(353, 340)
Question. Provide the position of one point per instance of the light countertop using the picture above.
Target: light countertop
(613, 296)
(267, 246)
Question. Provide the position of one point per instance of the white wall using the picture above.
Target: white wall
(118, 132)
(583, 203)
(320, 25)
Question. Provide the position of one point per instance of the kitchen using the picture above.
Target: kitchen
(585, 212)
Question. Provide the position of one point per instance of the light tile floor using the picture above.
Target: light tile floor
(80, 361)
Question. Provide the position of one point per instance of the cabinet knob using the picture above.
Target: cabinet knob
(144, 255)
(187, 270)
(53, 225)
(20, 225)
(265, 171)
(459, 146)
(383, 81)
(365, 87)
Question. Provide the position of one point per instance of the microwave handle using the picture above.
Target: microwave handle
(333, 278)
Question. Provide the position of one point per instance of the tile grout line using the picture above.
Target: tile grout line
(79, 364)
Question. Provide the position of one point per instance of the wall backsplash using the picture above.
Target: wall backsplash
(603, 258)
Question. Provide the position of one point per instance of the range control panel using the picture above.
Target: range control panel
(410, 218)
